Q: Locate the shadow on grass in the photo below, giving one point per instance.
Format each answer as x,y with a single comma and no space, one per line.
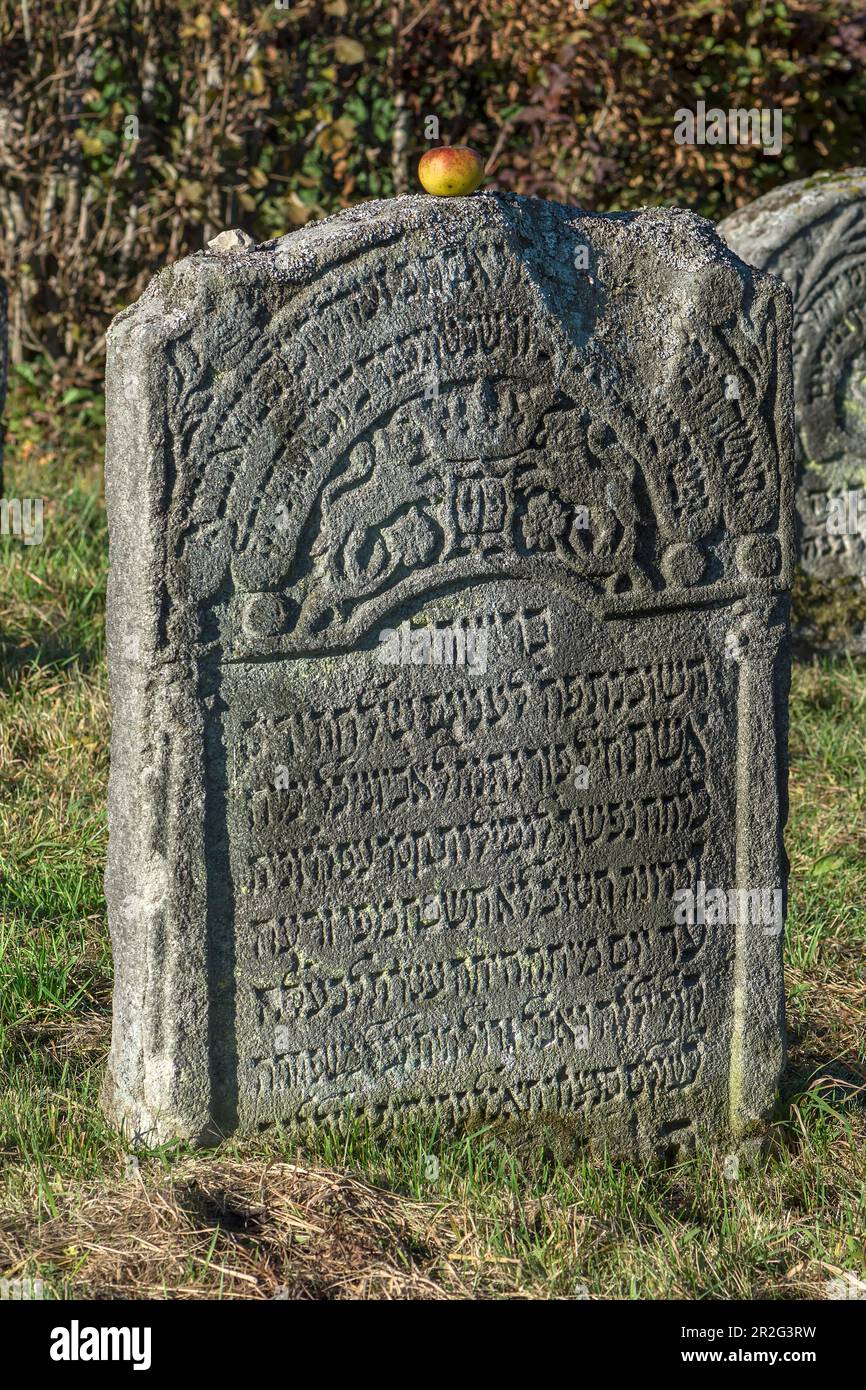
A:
17,660
833,1080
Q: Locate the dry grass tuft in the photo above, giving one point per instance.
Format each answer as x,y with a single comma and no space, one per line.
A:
240,1229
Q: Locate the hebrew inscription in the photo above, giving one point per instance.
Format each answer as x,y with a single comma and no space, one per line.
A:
495,962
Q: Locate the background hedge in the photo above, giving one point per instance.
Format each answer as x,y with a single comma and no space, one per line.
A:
266,115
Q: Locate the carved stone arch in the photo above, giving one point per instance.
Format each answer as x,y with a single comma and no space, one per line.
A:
274,497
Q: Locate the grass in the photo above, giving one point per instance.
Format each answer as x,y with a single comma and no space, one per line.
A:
424,1215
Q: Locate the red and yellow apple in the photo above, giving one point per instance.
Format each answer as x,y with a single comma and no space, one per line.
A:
450,171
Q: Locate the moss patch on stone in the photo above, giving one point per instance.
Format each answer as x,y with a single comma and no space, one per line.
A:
826,614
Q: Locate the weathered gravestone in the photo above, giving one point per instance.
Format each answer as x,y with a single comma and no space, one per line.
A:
813,234
448,645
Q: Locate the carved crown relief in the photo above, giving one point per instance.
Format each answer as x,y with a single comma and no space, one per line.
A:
337,473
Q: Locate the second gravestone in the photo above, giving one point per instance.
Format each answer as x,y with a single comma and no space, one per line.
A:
450,543
813,235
